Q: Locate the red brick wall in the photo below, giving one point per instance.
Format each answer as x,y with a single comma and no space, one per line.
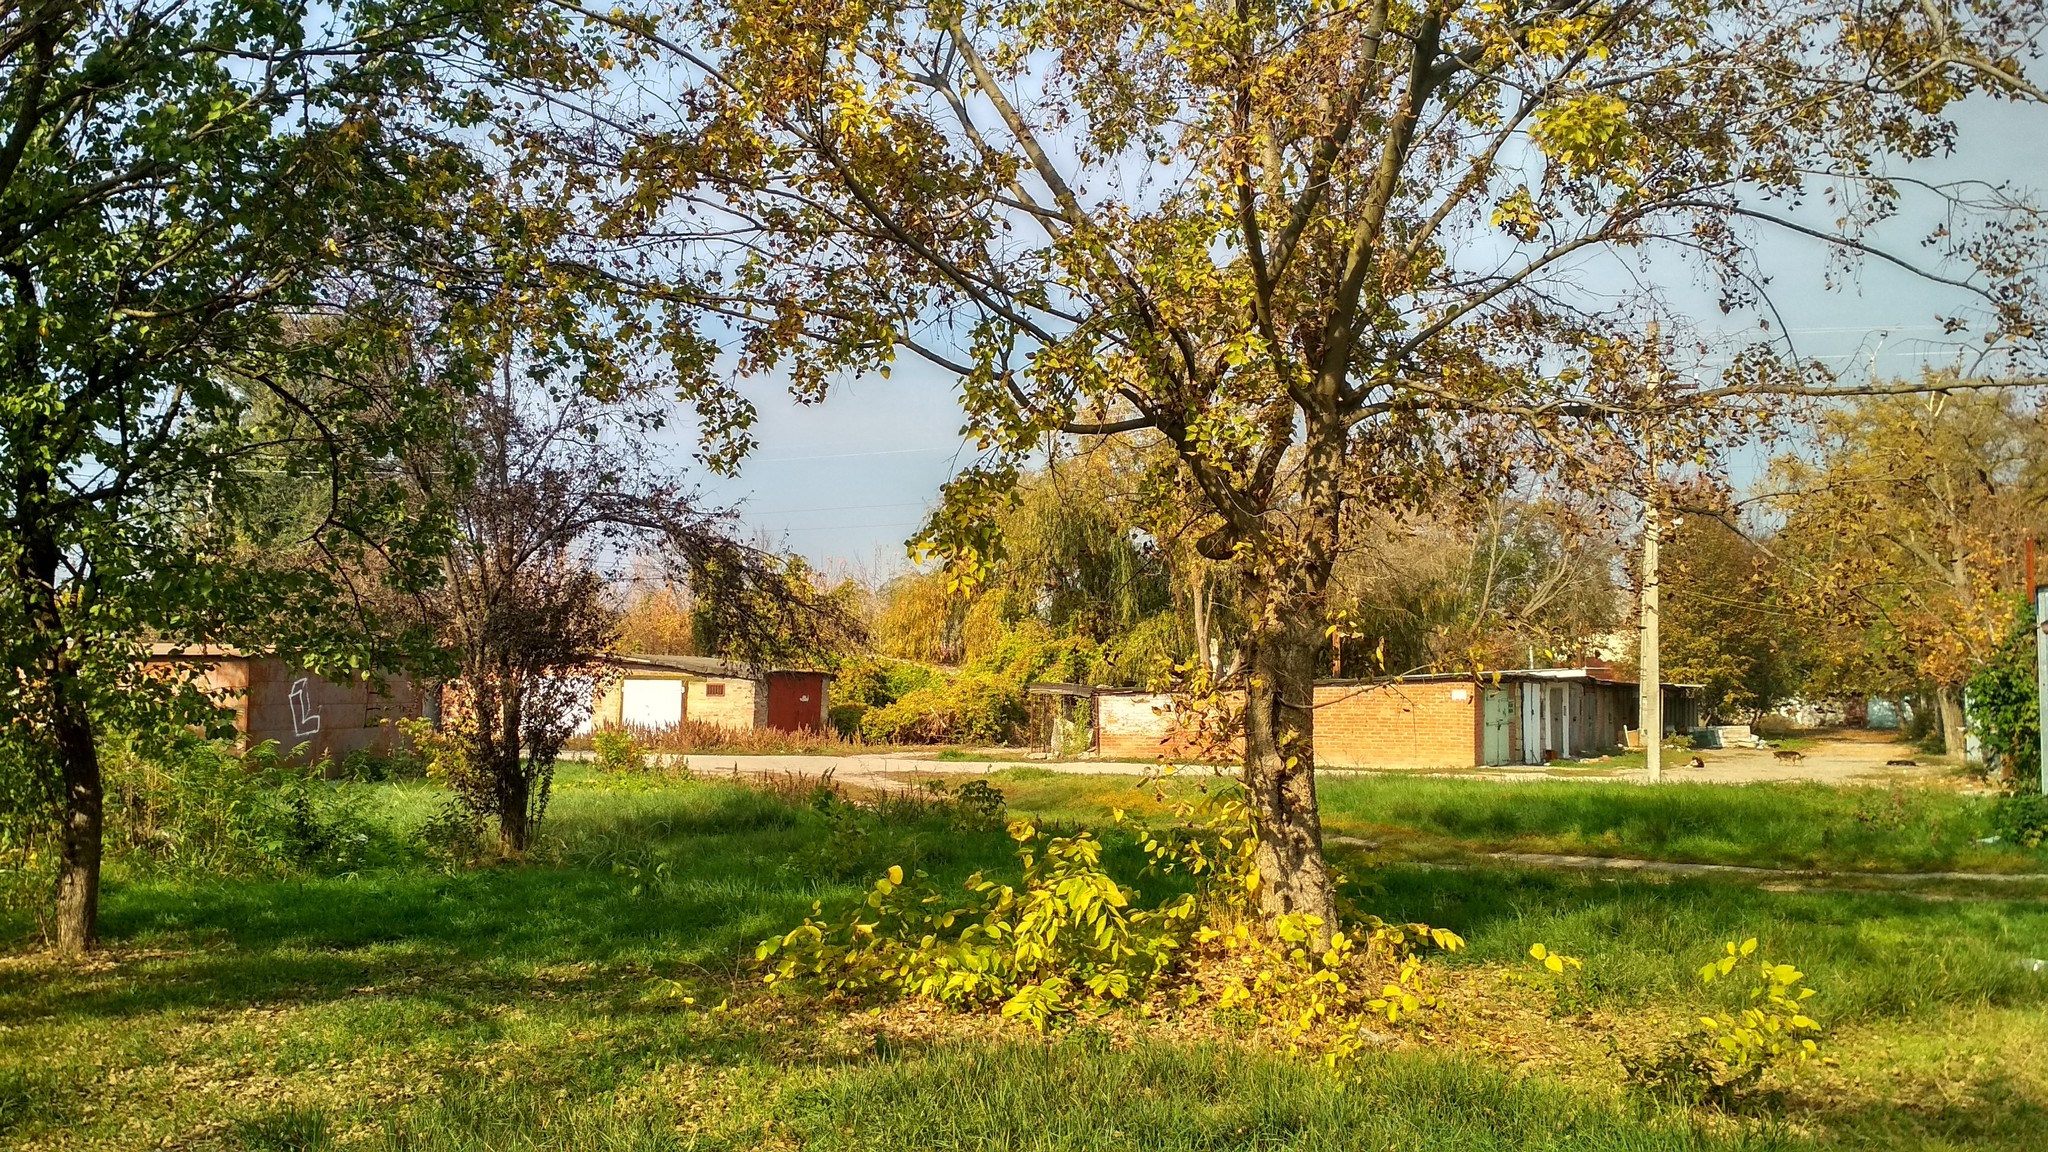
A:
1357,726
1140,726
1424,725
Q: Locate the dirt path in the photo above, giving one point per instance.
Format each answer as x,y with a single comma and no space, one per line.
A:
1837,758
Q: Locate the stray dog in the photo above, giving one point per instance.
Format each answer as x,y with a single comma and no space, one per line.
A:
1695,762
1787,754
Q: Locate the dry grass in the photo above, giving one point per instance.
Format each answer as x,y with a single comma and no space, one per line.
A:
697,737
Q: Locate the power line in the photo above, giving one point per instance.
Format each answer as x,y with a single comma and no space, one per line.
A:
839,508
851,527
853,455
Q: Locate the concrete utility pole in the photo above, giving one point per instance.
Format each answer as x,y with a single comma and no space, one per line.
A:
2040,595
1649,670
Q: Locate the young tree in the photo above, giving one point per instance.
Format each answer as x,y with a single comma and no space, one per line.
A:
1333,253
552,488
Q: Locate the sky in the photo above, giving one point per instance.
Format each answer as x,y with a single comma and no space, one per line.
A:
847,481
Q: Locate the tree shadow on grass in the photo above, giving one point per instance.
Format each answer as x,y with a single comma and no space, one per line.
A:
664,891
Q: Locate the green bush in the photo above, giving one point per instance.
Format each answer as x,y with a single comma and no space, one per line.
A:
971,709
2021,818
2005,705
846,718
617,752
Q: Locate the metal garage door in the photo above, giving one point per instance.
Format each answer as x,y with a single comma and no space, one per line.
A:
1496,717
651,703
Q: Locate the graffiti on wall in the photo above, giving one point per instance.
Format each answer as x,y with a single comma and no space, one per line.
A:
305,717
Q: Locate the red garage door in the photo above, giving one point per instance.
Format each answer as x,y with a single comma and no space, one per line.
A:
796,701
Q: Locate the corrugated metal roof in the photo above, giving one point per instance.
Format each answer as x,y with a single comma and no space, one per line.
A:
705,666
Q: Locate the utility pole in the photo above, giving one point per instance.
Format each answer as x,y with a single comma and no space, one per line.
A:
2040,596
1649,670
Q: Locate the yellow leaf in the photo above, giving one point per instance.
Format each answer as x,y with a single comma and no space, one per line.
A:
895,874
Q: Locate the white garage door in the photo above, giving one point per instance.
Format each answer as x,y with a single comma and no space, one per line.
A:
651,703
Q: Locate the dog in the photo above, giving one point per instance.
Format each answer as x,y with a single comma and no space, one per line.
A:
1695,762
1902,763
1787,754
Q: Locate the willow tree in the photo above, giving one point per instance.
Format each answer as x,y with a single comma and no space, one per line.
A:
1333,253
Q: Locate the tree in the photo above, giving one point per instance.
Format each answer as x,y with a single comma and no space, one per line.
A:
654,614
1726,621
1328,252
1903,526
1472,590
551,486
200,219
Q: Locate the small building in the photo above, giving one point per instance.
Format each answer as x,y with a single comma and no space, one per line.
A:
665,691
274,701
1522,716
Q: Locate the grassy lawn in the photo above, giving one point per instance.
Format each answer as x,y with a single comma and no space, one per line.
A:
1797,826
409,1006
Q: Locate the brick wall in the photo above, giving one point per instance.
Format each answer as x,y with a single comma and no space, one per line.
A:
743,706
1415,725
1428,725
1136,726
273,701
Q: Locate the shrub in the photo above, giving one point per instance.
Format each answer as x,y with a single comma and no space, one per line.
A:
846,718
1731,1052
453,835
617,752
1069,935
2021,818
972,708
1072,936
1561,975
2004,704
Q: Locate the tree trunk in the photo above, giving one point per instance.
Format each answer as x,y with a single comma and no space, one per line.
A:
1280,770
69,716
514,792
1954,738
81,829
80,837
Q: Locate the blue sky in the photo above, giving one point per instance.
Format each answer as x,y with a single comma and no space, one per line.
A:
849,480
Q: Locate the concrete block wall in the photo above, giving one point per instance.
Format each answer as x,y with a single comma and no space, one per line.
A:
273,701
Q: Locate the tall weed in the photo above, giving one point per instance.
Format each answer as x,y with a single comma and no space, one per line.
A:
200,806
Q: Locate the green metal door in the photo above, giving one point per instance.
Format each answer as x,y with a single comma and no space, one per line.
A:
1497,713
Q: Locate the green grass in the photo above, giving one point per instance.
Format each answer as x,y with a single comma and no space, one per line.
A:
1792,826
410,1007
